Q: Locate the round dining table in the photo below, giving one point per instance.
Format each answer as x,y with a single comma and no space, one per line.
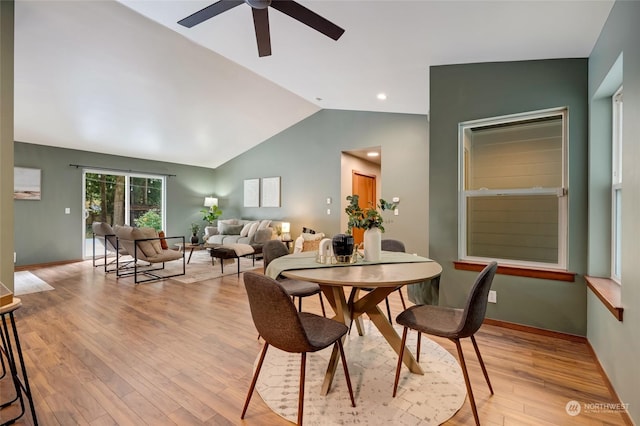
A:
382,278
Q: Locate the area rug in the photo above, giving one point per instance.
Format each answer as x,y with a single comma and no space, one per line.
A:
24,282
428,399
200,268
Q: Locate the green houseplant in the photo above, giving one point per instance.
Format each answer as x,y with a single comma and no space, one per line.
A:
368,217
211,214
195,228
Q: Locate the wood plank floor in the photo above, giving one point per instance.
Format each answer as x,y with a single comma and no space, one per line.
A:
101,351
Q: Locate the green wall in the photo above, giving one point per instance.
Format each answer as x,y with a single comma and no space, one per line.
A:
474,91
617,344
44,233
307,156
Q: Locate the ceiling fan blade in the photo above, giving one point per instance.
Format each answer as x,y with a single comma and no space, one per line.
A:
261,25
209,12
308,17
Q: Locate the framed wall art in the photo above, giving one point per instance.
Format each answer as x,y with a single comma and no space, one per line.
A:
26,183
271,192
252,192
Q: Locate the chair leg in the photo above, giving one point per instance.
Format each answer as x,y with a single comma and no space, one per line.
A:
404,305
467,382
484,370
303,364
324,314
386,300
254,380
418,348
404,341
346,371
299,304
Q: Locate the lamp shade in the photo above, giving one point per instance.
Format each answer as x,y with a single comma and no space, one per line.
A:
210,201
286,227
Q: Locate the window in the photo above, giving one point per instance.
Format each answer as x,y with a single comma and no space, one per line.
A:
513,203
616,186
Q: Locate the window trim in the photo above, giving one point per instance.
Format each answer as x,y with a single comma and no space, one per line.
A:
616,180
562,192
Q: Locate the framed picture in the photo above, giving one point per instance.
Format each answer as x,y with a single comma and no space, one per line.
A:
271,192
26,183
252,192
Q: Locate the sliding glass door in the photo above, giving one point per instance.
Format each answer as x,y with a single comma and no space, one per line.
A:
120,198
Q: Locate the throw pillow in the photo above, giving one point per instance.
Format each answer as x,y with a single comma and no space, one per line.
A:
163,242
312,237
310,245
227,229
245,229
306,230
147,247
253,230
264,224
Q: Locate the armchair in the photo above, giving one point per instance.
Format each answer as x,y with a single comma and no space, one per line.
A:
145,245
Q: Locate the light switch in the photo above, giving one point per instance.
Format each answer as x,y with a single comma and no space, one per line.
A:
395,199
67,210
395,212
328,200
328,211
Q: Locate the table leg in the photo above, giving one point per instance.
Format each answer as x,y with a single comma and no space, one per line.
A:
335,296
190,253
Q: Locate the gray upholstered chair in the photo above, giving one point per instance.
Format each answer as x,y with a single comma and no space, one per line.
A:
277,321
452,323
273,249
387,245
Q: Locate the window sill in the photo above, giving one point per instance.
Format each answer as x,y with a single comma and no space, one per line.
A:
519,271
609,292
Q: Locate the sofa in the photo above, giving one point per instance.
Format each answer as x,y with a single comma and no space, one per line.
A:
239,231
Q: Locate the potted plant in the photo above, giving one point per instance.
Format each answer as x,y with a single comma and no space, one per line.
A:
370,219
195,228
211,214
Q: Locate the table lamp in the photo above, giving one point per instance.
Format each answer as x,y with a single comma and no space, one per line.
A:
286,228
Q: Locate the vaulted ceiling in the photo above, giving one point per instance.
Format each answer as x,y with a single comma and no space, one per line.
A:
124,78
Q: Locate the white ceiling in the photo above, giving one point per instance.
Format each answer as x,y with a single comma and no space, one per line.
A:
124,78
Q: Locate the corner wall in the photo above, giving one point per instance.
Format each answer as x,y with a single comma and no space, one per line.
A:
617,344
474,91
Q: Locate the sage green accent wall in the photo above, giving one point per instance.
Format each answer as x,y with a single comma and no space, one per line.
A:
474,91
617,344
6,143
44,233
307,156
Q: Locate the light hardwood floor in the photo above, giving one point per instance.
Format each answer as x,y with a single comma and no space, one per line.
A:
102,351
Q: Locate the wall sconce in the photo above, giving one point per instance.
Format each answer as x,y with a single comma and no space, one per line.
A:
286,228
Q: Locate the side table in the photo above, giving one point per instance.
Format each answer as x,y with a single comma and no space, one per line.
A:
191,247
21,385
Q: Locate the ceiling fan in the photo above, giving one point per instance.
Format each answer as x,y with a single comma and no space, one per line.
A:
261,18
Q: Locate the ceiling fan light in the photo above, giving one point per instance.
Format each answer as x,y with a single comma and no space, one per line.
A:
258,4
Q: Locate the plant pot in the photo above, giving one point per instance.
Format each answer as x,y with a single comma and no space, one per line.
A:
195,239
372,244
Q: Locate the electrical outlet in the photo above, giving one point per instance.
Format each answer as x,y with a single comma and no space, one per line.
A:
493,296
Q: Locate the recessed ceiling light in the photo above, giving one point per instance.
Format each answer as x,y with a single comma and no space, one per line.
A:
382,96
373,154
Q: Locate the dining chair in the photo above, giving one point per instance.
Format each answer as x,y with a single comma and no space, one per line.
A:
452,323
280,325
273,249
387,245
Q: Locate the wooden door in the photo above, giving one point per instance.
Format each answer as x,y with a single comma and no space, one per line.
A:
364,186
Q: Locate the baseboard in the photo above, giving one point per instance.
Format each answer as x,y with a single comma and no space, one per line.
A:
625,414
570,337
535,330
45,265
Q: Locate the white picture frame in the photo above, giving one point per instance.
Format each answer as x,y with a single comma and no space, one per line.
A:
26,183
271,192
252,192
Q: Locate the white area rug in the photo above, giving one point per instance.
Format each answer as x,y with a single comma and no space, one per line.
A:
428,399
24,282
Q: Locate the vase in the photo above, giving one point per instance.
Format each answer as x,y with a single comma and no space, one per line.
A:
194,239
342,247
372,244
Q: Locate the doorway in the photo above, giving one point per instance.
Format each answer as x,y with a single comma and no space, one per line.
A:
119,198
363,185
